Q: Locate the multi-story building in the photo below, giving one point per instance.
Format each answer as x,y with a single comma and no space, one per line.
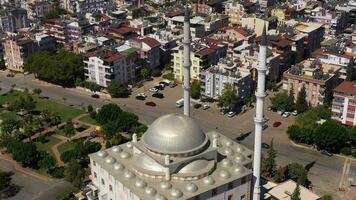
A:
56,28
83,6
45,42
319,80
103,66
16,51
227,71
238,33
201,57
38,8
149,51
13,19
164,164
76,30
197,26
314,34
344,103
257,23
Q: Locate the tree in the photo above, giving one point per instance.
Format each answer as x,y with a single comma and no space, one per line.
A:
195,89
269,162
2,64
108,112
307,119
74,173
144,73
90,108
352,134
282,101
117,89
281,175
25,153
156,72
69,129
228,98
297,173
322,111
296,193
302,104
331,136
326,197
37,91
9,125
47,163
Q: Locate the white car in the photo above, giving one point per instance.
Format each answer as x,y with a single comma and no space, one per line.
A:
153,90
285,114
205,107
295,113
142,94
231,114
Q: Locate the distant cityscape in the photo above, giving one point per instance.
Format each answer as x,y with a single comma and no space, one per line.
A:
162,99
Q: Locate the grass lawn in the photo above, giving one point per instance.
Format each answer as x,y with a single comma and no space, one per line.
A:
47,146
66,112
88,119
66,147
8,115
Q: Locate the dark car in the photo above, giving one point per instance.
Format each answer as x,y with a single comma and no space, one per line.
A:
139,97
158,95
96,96
159,87
150,103
276,124
10,75
164,83
139,85
172,85
197,105
325,152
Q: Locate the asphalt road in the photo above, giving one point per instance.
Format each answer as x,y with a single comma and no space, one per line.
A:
324,173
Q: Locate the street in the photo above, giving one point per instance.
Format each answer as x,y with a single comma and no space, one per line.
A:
325,172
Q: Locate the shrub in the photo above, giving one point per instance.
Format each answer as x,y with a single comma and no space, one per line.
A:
156,73
57,172
169,76
346,151
69,155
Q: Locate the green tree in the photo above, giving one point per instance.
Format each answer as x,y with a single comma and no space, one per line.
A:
301,104
69,129
269,165
144,73
108,112
9,125
37,91
195,90
297,173
322,111
331,135
47,163
326,197
352,134
282,101
280,175
74,173
228,99
117,89
2,64
90,108
296,193
307,119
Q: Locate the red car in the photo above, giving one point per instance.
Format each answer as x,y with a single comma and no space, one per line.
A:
276,124
150,103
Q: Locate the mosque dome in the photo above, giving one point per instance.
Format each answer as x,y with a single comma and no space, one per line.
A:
174,134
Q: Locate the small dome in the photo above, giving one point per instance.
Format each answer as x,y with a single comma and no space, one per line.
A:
226,162
174,134
194,166
224,174
150,191
228,151
116,149
239,158
240,148
165,185
140,183
102,154
118,166
176,193
125,155
191,187
239,170
145,162
129,145
110,160
129,175
160,197
209,180
228,143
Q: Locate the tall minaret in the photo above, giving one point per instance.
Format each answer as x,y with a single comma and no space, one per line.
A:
260,96
186,63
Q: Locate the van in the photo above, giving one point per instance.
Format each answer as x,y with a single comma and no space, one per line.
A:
180,103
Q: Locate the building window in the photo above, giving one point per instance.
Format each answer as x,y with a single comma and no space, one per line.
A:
110,188
94,163
102,181
95,175
214,192
243,197
230,185
243,180
230,197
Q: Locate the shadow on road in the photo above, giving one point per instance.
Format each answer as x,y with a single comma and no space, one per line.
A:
243,136
309,165
10,189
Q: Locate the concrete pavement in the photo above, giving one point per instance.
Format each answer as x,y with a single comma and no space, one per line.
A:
324,173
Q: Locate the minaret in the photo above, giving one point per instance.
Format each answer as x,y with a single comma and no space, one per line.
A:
186,63
260,96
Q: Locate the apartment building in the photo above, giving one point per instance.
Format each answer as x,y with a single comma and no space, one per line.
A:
16,50
319,80
227,71
314,34
56,28
38,8
149,51
103,66
83,6
344,103
13,19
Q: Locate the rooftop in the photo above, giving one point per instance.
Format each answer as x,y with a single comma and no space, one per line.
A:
347,87
284,190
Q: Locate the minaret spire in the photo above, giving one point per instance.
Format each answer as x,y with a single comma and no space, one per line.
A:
259,119
186,63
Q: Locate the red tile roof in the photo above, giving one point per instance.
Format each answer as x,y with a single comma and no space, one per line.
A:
107,56
240,30
123,30
347,87
205,51
151,42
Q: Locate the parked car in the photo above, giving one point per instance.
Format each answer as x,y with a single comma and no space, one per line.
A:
264,126
96,96
325,152
158,95
150,103
153,89
231,114
277,124
269,108
205,107
285,114
142,94
142,98
295,113
172,85
139,85
280,112
197,105
164,83
10,75
223,111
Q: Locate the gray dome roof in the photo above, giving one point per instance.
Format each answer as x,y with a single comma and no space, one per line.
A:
174,134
